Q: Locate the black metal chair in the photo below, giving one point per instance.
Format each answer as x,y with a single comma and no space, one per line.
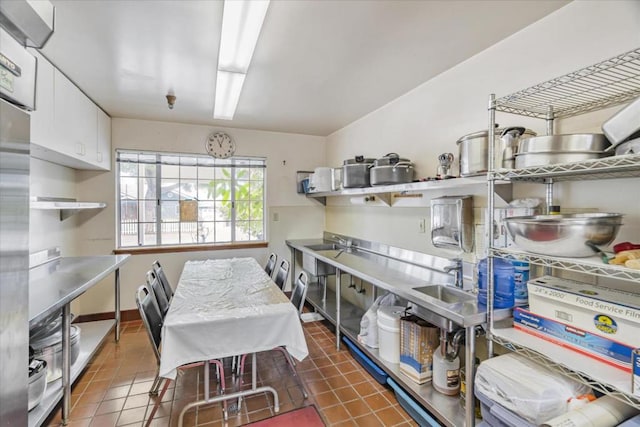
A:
298,296
153,321
271,264
281,274
168,290
158,292
299,292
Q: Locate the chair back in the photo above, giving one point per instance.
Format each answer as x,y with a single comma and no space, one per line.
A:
158,292
282,273
168,290
151,317
299,292
271,264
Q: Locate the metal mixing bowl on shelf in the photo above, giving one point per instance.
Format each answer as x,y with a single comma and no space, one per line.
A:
564,235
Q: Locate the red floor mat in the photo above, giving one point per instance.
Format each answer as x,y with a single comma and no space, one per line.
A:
303,417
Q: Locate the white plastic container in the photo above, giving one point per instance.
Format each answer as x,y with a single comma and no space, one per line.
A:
389,332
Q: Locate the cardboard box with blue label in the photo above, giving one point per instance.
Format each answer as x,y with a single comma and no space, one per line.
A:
605,312
595,346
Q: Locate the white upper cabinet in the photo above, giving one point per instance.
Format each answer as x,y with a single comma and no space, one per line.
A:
67,127
42,116
103,152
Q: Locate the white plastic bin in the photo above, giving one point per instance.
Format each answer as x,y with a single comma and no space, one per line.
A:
389,332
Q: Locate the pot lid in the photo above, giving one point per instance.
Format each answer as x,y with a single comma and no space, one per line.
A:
54,338
358,160
485,134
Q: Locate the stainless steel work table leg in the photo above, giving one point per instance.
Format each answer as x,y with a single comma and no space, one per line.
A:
338,294
117,304
66,363
469,374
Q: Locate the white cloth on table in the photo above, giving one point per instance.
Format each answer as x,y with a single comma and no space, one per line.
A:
225,308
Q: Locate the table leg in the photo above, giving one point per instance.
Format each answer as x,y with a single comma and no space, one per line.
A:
338,294
66,363
469,371
117,304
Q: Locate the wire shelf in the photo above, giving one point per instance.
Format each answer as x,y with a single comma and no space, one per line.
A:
538,357
592,265
605,84
626,166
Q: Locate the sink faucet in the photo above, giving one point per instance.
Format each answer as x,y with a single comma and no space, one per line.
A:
457,272
345,242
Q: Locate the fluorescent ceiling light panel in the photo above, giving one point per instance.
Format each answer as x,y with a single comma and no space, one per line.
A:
241,24
228,88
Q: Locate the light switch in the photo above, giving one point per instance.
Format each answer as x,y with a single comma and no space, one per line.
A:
276,217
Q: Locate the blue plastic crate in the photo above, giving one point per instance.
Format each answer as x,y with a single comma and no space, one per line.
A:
496,415
373,369
413,408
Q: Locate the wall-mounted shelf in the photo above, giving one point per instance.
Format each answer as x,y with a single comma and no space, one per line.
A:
67,207
387,193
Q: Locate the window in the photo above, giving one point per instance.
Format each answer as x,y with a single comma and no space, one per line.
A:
185,199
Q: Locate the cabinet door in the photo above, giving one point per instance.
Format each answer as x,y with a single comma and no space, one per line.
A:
103,153
76,121
42,129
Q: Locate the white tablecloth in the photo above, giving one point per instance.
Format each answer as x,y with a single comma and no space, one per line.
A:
224,308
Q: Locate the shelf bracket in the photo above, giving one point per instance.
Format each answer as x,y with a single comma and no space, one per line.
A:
504,190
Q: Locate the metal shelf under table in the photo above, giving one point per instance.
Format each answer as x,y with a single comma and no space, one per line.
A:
92,335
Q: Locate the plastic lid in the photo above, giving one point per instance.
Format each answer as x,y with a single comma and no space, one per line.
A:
390,315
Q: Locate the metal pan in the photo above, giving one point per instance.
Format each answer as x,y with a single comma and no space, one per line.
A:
579,143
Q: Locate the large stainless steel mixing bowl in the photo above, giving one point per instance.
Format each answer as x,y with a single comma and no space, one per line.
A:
564,235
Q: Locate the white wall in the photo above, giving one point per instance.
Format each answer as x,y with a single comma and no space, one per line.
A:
428,120
285,153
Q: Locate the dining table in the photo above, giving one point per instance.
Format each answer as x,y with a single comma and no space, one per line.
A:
223,308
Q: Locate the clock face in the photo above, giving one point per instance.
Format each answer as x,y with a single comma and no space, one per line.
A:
220,145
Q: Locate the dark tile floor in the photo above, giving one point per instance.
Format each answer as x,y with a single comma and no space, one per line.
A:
113,390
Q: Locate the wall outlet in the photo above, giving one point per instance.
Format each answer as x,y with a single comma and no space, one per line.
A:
423,225
276,217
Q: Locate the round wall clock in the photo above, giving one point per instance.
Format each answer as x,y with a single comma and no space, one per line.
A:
220,145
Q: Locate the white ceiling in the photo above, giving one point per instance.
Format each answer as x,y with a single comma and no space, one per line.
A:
318,66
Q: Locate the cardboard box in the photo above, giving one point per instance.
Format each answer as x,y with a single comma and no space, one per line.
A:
601,311
418,341
595,346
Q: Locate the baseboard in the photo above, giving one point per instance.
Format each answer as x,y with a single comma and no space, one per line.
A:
125,316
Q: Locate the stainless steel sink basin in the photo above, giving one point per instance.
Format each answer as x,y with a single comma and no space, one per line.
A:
324,247
446,294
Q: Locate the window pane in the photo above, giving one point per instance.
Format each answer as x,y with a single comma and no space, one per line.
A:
242,230
256,210
205,191
242,211
128,169
169,211
149,236
256,190
148,188
223,173
206,232
129,233
170,189
257,174
188,189
223,231
147,169
242,190
223,210
170,233
128,188
242,173
128,211
189,232
206,211
257,230
206,172
222,190
147,211
170,171
188,172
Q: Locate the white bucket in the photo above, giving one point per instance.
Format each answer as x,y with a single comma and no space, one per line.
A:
389,332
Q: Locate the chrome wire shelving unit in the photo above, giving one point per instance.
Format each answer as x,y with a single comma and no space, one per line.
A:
602,85
608,83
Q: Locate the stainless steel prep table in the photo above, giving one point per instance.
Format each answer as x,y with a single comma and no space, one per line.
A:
52,286
382,272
